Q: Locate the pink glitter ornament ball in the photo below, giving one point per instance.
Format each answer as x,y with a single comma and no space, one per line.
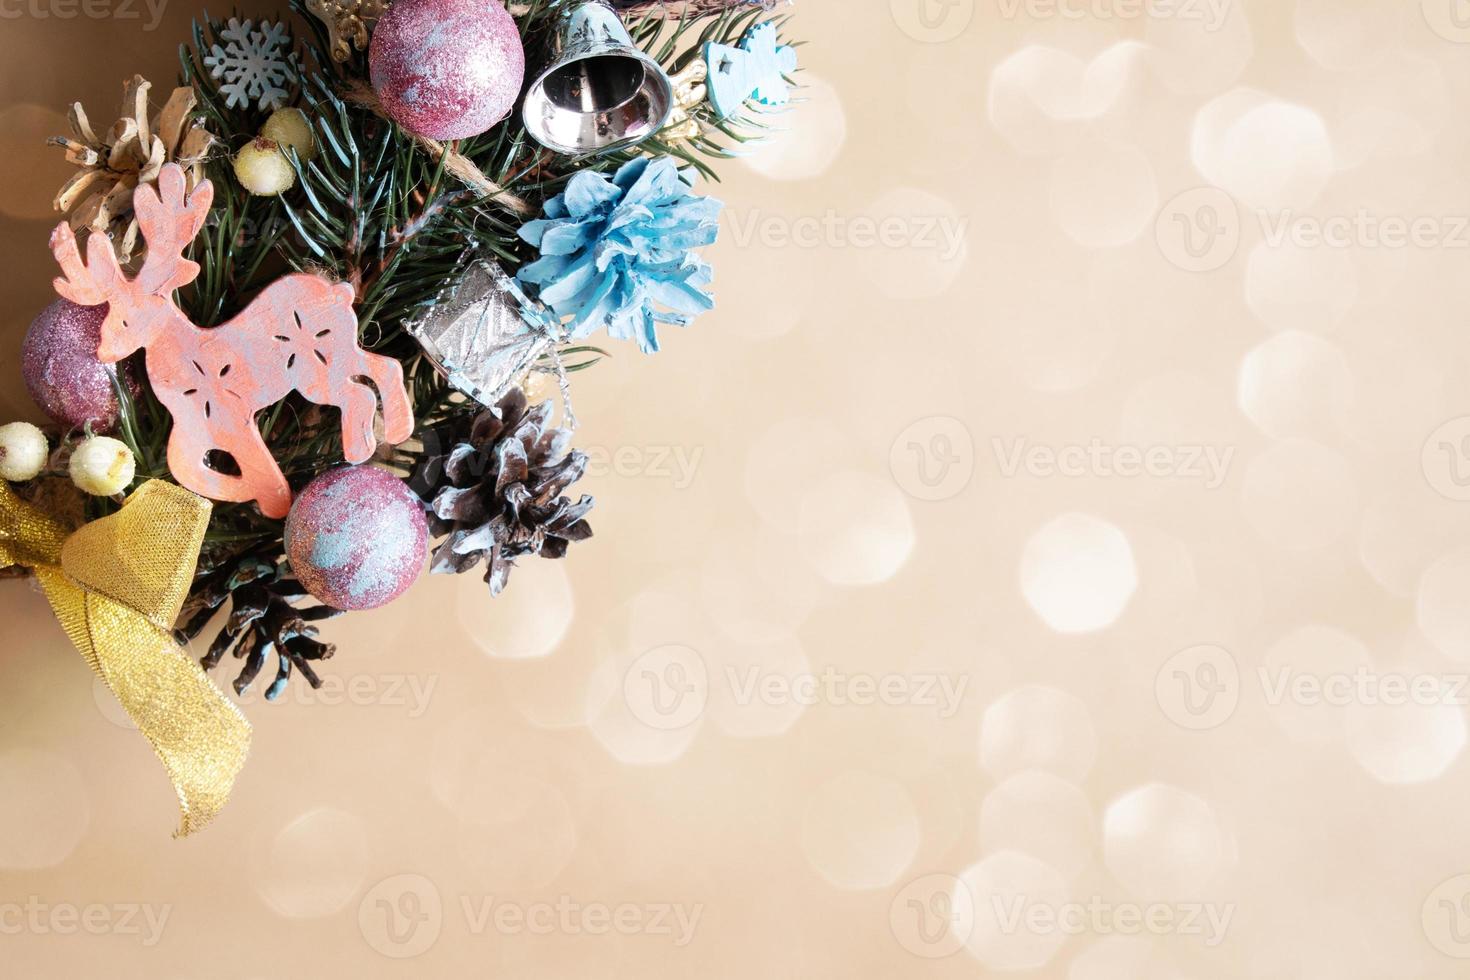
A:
357,537
447,69
58,361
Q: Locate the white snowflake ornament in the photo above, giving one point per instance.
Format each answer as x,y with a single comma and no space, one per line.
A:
254,64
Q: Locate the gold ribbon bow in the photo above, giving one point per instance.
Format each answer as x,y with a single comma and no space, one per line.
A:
117,585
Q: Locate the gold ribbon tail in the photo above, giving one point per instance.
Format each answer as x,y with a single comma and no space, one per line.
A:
117,585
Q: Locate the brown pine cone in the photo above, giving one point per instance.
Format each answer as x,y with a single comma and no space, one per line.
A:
264,622
494,485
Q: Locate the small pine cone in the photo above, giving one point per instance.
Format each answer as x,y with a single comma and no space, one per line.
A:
264,622
497,492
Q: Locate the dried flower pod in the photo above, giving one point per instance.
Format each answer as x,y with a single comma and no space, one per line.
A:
99,197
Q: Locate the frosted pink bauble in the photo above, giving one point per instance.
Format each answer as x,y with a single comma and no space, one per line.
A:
58,360
357,537
447,69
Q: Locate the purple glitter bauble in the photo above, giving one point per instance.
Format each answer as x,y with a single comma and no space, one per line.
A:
58,360
447,69
357,537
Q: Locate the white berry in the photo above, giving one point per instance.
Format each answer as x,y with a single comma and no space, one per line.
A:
263,169
289,127
23,452
102,466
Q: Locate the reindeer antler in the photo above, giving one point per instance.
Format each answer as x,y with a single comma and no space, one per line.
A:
170,219
91,284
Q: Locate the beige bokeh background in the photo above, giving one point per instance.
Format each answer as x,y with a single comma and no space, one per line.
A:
1051,555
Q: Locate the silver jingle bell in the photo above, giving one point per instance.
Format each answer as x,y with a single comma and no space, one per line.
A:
600,91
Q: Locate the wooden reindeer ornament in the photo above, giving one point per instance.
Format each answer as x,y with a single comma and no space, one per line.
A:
300,334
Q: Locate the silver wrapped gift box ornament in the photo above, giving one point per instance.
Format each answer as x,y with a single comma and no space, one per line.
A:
484,333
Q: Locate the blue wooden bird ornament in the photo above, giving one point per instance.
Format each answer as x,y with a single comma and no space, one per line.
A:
757,70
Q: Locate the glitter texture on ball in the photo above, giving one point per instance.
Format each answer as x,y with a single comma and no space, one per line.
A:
447,69
59,363
357,537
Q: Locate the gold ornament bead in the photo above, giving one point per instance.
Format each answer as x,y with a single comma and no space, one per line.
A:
348,22
263,169
23,452
290,127
102,466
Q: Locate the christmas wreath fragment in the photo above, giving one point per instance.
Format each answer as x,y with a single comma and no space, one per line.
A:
302,299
